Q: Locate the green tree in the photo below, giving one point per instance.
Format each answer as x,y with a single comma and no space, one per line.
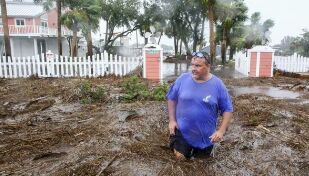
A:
176,28
257,33
185,23
237,39
119,14
230,13
286,46
91,23
153,15
301,44
82,15
290,45
266,26
6,33
71,19
209,5
196,19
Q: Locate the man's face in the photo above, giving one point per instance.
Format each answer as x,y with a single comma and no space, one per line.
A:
199,68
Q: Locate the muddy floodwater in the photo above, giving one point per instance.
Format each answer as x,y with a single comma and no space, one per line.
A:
45,130
269,91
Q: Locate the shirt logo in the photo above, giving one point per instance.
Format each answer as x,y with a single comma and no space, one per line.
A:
206,99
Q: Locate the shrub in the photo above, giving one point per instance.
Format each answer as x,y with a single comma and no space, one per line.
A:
159,92
134,89
90,94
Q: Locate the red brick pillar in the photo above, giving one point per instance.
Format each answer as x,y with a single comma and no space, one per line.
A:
153,61
261,61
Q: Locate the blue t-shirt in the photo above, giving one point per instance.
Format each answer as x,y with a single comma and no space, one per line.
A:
198,107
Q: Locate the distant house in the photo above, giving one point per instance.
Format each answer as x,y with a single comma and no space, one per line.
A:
207,50
32,30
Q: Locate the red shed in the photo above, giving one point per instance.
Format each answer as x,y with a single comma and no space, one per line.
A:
153,61
261,61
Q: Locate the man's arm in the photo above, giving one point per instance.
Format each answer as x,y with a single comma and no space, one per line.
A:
172,125
218,135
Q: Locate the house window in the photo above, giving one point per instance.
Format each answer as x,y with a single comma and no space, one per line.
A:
20,22
44,24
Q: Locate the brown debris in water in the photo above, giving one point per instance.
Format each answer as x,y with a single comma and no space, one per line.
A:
44,130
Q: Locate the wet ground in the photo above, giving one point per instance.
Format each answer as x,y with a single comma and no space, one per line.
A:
44,130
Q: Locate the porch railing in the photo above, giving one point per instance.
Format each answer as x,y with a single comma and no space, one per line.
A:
28,30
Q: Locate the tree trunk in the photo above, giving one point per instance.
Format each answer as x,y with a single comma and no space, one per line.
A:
175,45
89,44
223,46
232,51
160,38
59,38
202,33
106,36
69,39
188,51
212,33
195,34
6,32
180,48
74,44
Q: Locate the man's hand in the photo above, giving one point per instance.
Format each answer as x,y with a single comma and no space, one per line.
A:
172,125
217,136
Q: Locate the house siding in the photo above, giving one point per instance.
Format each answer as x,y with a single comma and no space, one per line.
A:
52,18
29,21
11,21
37,21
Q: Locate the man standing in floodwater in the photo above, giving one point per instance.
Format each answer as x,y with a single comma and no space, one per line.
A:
194,103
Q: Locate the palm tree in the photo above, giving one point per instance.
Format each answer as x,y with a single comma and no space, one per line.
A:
229,13
92,9
7,42
256,32
82,15
210,4
70,20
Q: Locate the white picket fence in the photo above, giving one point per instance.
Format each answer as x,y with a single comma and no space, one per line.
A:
294,63
242,63
54,66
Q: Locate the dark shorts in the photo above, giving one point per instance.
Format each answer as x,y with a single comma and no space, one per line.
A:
178,143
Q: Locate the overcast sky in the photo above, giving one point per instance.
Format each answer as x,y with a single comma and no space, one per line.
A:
290,16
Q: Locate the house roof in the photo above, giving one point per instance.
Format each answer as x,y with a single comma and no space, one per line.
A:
23,9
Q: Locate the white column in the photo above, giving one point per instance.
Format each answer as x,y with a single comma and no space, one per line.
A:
35,46
144,63
248,63
161,66
12,47
258,61
272,64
